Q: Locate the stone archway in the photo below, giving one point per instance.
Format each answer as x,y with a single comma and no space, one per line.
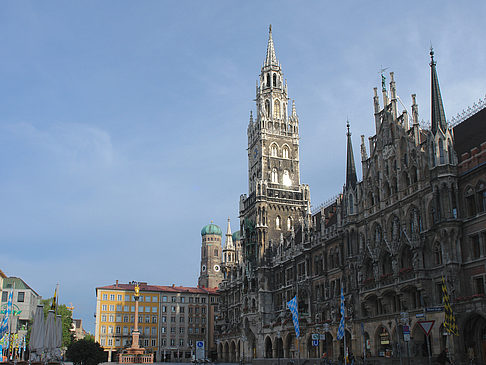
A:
232,352
226,352
279,347
474,334
312,351
418,347
383,342
289,349
268,348
220,351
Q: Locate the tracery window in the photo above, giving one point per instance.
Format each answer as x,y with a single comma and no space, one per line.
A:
286,178
289,223
285,152
276,109
274,150
274,176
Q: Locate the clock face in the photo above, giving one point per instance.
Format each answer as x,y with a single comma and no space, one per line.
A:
216,268
203,268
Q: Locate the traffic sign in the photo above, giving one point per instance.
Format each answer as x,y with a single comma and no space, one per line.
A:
315,336
426,326
315,342
200,344
323,337
419,315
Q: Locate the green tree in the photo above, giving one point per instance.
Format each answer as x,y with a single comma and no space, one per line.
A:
86,352
89,337
66,317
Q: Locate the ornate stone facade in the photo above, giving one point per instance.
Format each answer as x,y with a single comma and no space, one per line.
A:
419,214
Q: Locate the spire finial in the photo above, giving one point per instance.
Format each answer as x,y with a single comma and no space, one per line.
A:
351,178
432,62
271,58
438,120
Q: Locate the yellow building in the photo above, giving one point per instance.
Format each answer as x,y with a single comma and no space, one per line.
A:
171,319
115,316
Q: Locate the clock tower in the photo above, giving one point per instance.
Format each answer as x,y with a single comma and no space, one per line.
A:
277,203
210,274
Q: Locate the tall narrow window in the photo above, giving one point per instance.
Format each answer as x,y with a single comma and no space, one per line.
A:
289,223
275,176
276,109
274,150
441,152
274,80
285,152
278,223
286,178
267,108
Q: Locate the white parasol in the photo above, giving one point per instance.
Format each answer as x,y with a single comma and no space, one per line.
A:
36,343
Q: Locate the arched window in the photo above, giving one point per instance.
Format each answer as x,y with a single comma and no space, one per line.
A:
278,222
285,152
437,254
276,109
378,235
267,108
289,223
351,203
274,176
470,202
268,80
481,194
286,178
274,150
441,152
274,80
216,252
415,222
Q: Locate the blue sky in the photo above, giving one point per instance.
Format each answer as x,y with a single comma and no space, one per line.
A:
123,123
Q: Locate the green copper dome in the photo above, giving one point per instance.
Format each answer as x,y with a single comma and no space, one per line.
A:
236,236
211,229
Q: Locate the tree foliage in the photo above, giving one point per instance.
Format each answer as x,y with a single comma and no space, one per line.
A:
66,317
86,352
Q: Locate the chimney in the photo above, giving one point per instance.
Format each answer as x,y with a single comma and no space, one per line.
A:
116,284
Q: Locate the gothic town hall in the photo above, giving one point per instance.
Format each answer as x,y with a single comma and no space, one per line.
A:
396,241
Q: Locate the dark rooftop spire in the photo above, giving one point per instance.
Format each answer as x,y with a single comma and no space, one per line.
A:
350,166
438,116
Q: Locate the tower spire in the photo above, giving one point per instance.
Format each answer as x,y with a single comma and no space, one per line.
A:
271,59
438,115
228,245
351,178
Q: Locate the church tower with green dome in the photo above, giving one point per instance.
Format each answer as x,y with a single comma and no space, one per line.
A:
210,274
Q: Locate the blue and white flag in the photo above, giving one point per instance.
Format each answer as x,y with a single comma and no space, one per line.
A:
292,305
4,323
340,333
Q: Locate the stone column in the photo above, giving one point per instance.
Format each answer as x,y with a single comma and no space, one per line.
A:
136,333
